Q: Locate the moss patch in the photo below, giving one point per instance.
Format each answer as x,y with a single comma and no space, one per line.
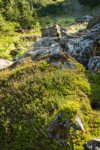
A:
30,98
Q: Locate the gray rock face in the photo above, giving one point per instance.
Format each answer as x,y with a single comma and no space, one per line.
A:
94,144
5,63
94,64
53,31
95,20
53,54
83,47
47,42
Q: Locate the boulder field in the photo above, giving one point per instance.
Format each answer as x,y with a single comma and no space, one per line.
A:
83,45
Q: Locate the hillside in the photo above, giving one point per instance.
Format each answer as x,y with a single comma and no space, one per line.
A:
49,75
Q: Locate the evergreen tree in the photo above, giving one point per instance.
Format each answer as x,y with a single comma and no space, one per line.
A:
21,11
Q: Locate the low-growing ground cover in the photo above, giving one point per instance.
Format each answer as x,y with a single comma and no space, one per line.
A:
31,97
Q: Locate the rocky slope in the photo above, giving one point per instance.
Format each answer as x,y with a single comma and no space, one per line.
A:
46,95
56,43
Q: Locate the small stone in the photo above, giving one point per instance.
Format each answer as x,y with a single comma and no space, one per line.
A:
93,144
5,63
14,52
94,64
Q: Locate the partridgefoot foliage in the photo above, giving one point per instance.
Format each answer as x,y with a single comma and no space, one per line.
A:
46,108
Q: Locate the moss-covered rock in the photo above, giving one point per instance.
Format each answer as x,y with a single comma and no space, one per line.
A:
31,98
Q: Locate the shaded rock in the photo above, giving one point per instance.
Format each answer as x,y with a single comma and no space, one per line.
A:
83,47
58,127
14,52
5,63
53,31
94,144
95,20
94,32
86,18
96,48
53,54
94,64
47,42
